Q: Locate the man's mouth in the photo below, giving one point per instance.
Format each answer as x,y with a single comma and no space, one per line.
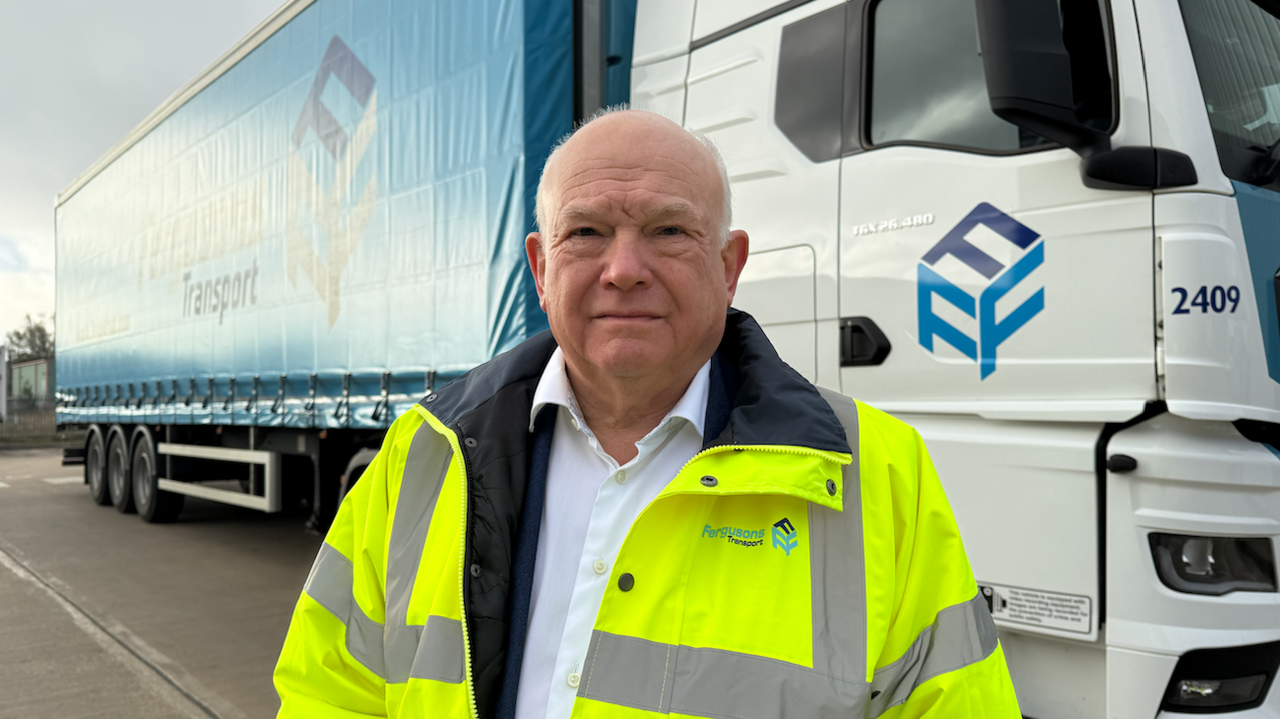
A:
627,316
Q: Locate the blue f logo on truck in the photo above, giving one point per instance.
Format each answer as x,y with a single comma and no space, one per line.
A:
1002,279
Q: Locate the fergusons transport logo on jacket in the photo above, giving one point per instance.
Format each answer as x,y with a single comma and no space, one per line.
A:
785,536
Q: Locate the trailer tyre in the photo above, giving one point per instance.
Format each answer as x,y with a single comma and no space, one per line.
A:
355,468
153,505
95,469
118,473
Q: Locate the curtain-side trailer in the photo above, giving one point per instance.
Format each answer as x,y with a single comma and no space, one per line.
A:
322,227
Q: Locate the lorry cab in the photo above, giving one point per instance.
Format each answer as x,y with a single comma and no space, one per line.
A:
1047,236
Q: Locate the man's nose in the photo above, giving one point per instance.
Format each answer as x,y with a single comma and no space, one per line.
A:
625,262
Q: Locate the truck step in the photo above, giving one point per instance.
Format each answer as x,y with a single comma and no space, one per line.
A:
72,456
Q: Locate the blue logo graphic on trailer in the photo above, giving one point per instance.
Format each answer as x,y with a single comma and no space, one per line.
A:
1002,279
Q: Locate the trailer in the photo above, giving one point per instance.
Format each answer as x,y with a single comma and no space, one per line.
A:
1045,233
323,226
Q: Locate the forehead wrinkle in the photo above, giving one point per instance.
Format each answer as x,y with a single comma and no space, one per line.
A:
609,187
585,212
643,209
640,163
611,175
682,171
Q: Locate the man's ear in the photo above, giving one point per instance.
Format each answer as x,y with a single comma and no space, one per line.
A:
537,265
734,256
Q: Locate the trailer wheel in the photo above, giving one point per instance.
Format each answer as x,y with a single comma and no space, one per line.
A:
118,473
153,505
355,468
95,468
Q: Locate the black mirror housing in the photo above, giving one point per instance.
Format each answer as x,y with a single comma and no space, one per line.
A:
1028,71
1129,168
1030,84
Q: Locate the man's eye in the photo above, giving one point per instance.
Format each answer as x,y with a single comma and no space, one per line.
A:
585,231
669,231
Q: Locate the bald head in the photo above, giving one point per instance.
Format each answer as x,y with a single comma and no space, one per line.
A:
633,264
641,140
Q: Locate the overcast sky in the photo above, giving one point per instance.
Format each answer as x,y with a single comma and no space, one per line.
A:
75,78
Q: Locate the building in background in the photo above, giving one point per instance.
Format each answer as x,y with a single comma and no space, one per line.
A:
27,399
30,384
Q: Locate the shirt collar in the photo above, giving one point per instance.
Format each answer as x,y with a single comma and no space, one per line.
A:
554,388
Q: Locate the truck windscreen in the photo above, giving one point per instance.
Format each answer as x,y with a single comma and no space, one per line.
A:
1236,46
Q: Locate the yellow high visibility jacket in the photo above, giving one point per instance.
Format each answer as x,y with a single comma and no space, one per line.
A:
806,563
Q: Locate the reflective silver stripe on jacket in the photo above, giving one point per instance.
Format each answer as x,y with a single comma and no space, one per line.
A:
710,682
399,650
410,648
839,581
330,584
962,634
667,678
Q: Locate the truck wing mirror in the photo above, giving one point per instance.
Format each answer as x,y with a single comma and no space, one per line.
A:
1029,82
1028,72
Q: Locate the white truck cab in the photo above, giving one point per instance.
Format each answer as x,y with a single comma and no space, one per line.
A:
1047,235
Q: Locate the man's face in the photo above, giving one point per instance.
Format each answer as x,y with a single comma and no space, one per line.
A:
630,270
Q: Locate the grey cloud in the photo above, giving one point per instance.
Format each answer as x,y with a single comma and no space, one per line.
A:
75,77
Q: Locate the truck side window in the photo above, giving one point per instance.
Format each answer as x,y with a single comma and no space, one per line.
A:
810,84
927,81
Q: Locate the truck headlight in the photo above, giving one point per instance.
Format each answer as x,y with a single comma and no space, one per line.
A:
1217,692
1214,565
1224,679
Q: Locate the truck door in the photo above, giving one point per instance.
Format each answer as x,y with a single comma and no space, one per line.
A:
975,245
1016,300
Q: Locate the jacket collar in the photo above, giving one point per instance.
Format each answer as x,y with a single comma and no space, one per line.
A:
755,398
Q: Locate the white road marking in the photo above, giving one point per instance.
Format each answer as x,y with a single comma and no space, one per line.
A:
3,485
64,480
18,476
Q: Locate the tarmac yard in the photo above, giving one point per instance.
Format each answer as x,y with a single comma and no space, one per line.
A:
104,615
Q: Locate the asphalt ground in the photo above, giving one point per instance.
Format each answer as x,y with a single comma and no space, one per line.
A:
104,615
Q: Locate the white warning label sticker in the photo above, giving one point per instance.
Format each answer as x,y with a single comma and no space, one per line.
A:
1039,608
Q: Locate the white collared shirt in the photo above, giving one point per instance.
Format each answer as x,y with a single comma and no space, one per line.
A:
590,505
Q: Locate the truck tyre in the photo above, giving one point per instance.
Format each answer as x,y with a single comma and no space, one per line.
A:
118,472
355,468
95,468
154,505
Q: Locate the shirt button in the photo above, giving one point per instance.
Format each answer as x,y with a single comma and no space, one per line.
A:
574,422
573,680
600,567
621,477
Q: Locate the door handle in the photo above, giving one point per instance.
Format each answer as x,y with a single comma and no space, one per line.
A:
862,343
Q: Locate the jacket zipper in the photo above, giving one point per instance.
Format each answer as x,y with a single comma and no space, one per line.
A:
778,449
462,579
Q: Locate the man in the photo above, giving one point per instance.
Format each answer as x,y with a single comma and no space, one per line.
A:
645,511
